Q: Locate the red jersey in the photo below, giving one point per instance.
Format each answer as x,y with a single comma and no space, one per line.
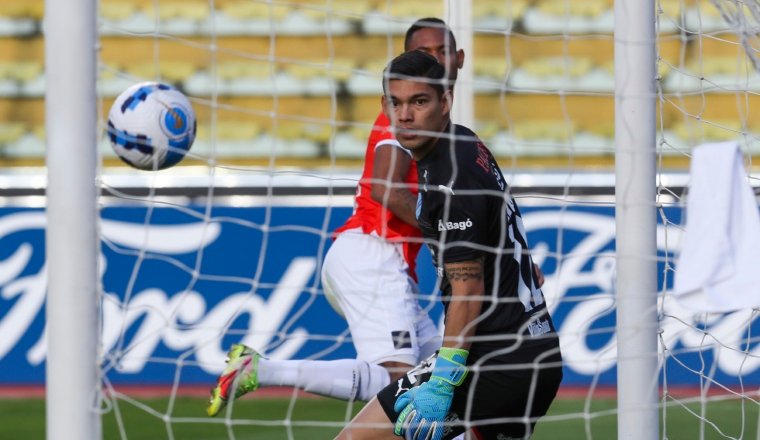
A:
370,215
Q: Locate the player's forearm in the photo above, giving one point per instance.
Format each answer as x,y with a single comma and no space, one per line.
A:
403,204
460,327
390,188
465,304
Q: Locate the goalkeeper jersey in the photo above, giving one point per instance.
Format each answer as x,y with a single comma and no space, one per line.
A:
370,215
466,212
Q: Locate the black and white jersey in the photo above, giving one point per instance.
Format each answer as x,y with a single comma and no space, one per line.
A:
466,212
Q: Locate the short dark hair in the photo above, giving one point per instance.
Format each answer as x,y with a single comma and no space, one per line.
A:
429,23
417,65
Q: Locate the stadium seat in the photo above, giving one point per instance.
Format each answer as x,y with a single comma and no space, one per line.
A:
707,131
169,71
244,69
561,73
117,10
704,17
413,9
231,130
18,27
491,67
347,145
340,69
511,10
498,15
31,9
573,17
320,133
556,130
34,88
11,131
246,9
714,73
23,70
267,145
506,144
344,9
167,10
393,18
111,83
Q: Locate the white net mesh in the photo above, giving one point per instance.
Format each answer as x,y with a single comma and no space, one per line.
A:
227,246
286,84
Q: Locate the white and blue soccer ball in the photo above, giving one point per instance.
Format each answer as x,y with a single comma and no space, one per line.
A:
151,126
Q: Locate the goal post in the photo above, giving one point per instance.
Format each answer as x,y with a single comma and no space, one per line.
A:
459,17
72,376
636,219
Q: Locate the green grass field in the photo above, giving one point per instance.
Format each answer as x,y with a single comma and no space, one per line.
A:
317,418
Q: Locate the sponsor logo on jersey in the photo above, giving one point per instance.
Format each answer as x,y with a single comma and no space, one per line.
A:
449,226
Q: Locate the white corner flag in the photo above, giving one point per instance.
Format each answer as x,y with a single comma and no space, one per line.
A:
718,270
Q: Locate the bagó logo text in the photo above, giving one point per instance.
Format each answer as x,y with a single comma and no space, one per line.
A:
448,226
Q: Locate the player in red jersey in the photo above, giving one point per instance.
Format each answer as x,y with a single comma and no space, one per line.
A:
368,274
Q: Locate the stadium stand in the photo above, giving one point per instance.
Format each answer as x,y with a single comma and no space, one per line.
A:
551,59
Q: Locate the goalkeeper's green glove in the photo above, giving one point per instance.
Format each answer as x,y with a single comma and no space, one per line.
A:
424,408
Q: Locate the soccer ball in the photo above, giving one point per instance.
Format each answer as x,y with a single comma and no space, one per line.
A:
151,126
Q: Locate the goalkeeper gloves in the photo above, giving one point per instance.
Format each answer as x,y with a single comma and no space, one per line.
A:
424,408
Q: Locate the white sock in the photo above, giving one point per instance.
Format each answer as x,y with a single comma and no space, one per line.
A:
343,379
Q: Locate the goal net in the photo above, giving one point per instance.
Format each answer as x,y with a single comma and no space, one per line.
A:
227,246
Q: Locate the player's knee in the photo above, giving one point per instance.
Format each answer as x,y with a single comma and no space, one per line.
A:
396,370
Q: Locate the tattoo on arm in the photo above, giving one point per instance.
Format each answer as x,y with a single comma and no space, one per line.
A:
465,271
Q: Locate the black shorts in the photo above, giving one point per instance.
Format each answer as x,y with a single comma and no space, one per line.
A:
493,398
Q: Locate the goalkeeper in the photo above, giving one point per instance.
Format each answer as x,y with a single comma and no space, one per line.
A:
500,365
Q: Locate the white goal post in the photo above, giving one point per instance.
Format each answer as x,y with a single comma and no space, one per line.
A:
636,219
72,244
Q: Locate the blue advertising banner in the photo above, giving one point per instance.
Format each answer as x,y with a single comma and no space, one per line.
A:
181,283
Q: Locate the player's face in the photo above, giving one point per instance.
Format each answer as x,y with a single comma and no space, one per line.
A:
417,114
437,43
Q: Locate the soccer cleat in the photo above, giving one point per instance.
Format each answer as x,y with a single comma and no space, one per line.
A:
240,375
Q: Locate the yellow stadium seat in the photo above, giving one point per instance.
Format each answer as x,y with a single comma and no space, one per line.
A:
11,131
244,69
342,8
289,130
23,70
492,67
718,130
556,130
117,10
416,8
22,9
546,66
237,130
246,9
173,71
317,132
586,8
721,65
670,8
499,8
340,69
175,9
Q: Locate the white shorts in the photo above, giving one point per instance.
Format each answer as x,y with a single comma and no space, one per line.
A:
365,278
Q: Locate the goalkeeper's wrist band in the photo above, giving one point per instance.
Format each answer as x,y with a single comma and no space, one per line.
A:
450,365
